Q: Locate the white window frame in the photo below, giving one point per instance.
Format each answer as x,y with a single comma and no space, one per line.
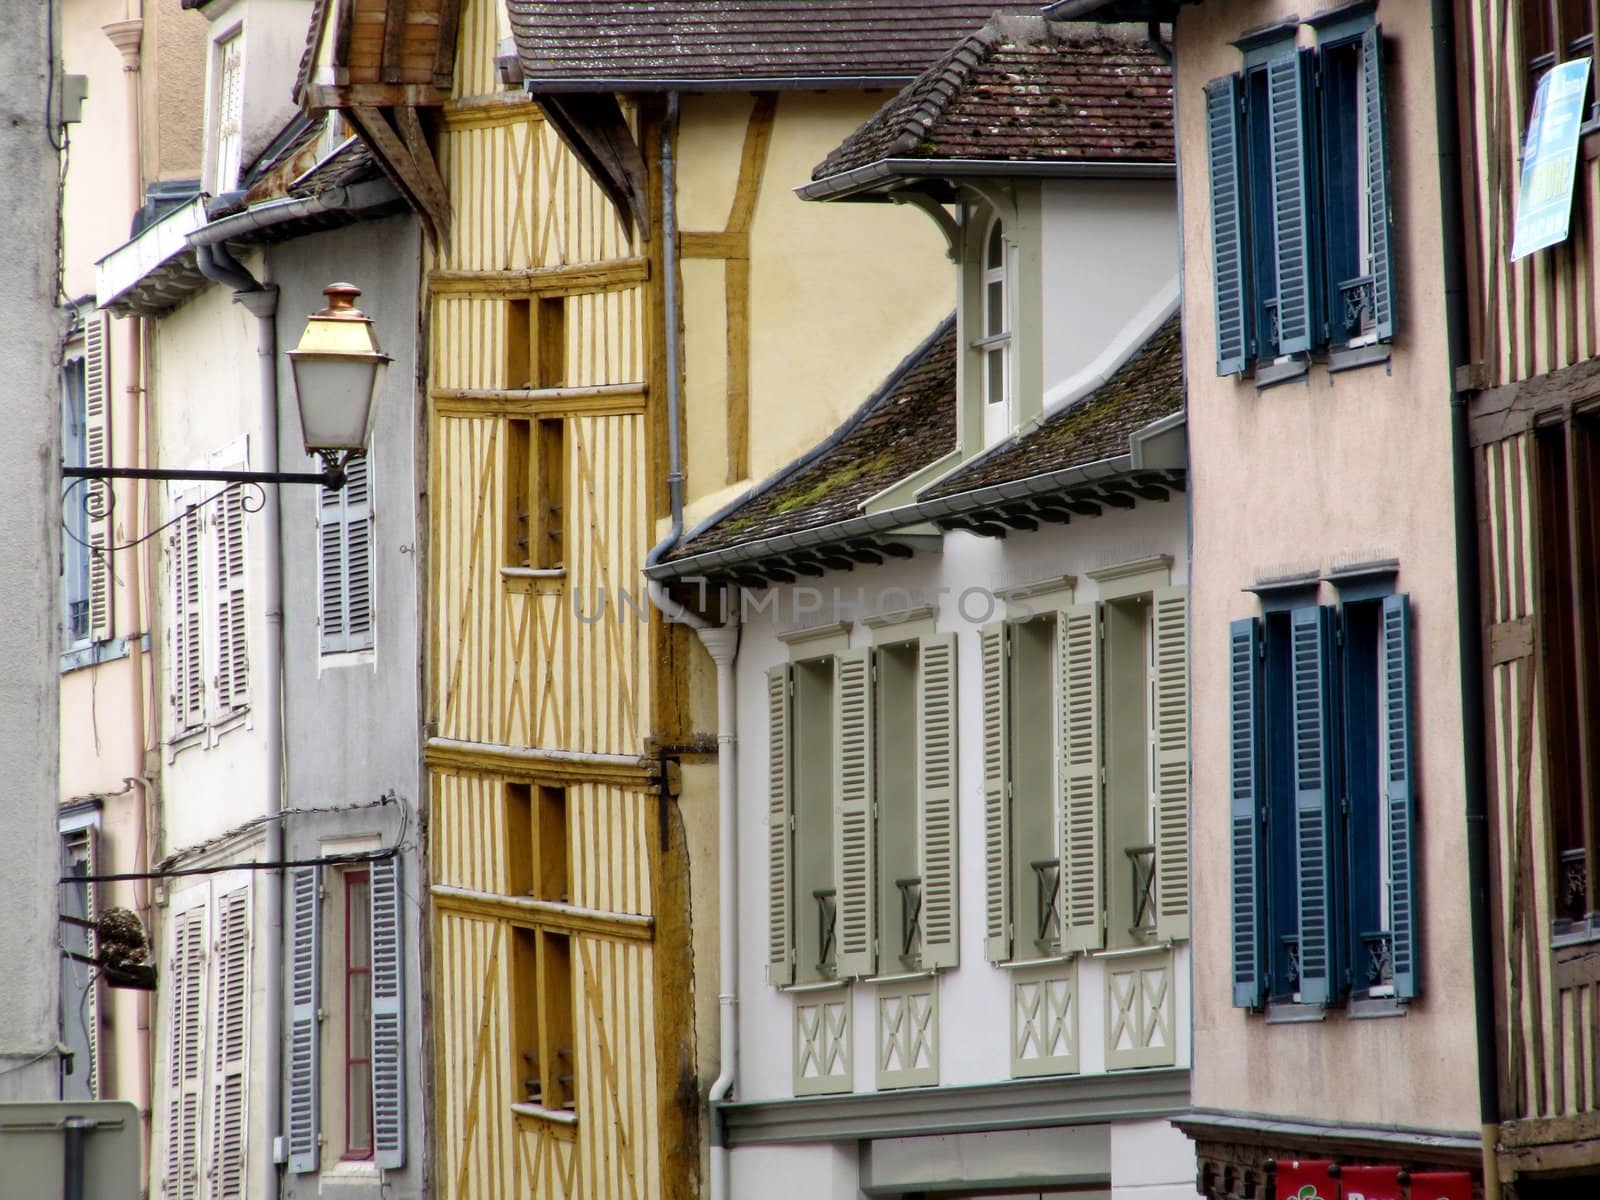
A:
995,342
226,139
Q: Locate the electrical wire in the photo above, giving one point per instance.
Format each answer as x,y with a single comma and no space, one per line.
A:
325,860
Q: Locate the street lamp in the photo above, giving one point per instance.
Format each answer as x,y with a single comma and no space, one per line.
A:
335,369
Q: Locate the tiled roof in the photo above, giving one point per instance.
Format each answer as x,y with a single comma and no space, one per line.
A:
646,45
1024,89
1147,387
909,423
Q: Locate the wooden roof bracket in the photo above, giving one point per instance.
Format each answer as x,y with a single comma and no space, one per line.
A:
594,128
402,150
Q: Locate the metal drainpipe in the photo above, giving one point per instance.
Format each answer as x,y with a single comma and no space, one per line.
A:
262,301
1468,616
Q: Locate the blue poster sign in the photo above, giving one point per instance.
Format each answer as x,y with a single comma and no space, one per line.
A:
1550,159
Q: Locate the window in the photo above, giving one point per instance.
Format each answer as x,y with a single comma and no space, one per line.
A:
78,1012
995,341
228,71
1567,467
541,971
1301,227
345,1060
536,493
1086,775
1322,812
1556,31
344,561
75,539
209,631
86,442
816,893
536,343
536,838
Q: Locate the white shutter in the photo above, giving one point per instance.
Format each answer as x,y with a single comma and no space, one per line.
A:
97,454
1169,758
187,633
233,654
230,1082
388,1016
936,803
780,935
186,993
996,640
305,945
855,855
1078,765
345,545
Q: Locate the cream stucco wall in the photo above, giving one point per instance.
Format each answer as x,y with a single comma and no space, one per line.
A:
173,89
1298,476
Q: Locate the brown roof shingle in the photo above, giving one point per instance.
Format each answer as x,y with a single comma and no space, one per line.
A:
1023,89
645,45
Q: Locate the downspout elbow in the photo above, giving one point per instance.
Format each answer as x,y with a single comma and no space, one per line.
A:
217,265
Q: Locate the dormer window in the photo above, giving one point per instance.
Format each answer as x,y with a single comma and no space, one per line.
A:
229,120
996,340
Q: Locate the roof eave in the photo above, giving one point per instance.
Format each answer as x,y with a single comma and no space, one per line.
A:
1113,10
888,174
536,84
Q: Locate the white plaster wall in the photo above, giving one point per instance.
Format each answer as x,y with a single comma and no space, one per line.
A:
1151,1160
974,999
819,1171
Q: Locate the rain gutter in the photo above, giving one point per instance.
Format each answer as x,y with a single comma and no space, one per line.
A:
896,170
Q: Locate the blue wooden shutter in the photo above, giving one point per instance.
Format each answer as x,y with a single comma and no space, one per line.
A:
1224,131
1380,223
388,1016
1399,793
302,1101
1245,801
1314,792
1293,235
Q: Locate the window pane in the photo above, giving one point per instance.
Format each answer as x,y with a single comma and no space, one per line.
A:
358,1110
1577,20
994,256
995,366
358,922
360,1016
994,308
1538,38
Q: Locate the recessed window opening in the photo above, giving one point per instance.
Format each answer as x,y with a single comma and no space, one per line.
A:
995,342
357,1015
1036,867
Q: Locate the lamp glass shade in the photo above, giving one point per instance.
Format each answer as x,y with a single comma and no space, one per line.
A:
336,374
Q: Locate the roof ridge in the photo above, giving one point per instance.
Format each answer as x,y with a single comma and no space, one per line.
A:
944,82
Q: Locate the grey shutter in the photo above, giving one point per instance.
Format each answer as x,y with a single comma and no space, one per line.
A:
388,1016
330,569
1291,213
1311,641
1228,235
1399,793
854,845
937,801
1244,810
780,826
1170,758
996,639
97,454
344,538
302,1101
233,655
188,625
1078,763
230,1083
1380,220
186,1053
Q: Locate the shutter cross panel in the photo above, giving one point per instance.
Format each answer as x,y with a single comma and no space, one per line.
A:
937,802
854,850
188,625
1378,216
996,786
233,655
1169,720
1244,809
1399,795
186,1052
97,455
1291,213
1228,238
388,1017
230,1084
1314,790
780,934
302,1101
1079,758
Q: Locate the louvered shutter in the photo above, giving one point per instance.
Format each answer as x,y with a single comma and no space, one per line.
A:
1398,773
304,1057
937,801
188,626
1078,764
1292,228
330,569
1245,796
230,1081
1311,633
233,653
388,1017
1228,235
1169,719
345,542
854,834
1379,217
97,454
995,640
780,826
186,1051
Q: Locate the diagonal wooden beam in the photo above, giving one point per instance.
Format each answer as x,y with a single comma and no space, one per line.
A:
403,172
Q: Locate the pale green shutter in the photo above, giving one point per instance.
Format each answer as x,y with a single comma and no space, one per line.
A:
1169,785
186,987
996,640
1079,773
854,851
230,1081
303,1057
97,453
388,1016
936,801
780,935
233,655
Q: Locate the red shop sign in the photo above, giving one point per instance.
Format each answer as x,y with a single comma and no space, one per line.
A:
1303,1180
1370,1183
1441,1185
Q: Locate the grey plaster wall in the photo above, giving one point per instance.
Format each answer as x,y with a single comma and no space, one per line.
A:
351,722
29,546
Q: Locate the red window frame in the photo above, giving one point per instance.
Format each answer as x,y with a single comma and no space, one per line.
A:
357,976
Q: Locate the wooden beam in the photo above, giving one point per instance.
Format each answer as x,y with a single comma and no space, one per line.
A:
547,767
752,161
444,51
1148,491
393,155
1083,507
416,142
372,95
714,245
1116,498
604,400
575,279
544,914
491,112
394,38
